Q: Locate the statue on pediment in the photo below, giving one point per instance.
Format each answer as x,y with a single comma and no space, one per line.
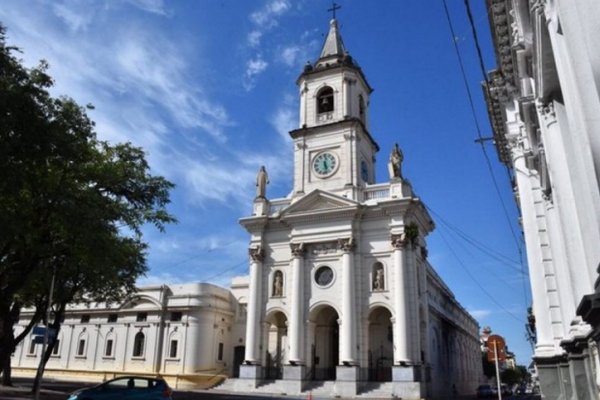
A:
262,179
395,163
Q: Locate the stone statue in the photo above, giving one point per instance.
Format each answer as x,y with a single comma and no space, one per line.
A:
378,282
278,284
395,163
262,179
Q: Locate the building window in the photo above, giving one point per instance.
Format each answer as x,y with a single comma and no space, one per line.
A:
112,317
56,347
325,100
85,318
173,349
138,344
32,347
141,317
176,316
81,347
108,349
220,355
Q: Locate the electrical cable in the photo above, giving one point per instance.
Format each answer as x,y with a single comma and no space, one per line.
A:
489,96
476,122
477,282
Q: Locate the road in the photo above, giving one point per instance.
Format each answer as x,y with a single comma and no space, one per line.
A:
58,390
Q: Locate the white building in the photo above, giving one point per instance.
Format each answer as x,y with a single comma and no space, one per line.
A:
341,292
186,333
544,105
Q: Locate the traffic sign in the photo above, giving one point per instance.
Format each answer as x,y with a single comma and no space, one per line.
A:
496,345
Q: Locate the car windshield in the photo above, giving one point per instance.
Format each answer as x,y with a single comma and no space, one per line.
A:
131,383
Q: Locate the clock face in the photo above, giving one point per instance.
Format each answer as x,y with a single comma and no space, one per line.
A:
324,276
364,171
324,164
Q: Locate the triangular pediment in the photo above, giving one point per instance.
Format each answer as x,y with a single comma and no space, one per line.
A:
319,200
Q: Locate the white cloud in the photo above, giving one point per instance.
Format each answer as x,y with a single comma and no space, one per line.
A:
285,118
76,19
478,314
254,68
266,17
254,38
151,6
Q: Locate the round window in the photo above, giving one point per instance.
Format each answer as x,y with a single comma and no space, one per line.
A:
324,276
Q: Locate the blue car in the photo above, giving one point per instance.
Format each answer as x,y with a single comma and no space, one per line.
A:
126,387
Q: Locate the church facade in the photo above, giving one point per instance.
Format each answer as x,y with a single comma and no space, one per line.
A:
342,298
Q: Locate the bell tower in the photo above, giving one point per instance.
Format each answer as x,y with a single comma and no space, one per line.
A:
333,149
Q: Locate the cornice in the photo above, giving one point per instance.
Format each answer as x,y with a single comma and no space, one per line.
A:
348,122
336,64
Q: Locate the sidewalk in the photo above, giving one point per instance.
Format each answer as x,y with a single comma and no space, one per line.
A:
24,392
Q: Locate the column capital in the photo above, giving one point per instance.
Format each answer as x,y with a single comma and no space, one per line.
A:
546,111
298,250
257,254
347,245
399,241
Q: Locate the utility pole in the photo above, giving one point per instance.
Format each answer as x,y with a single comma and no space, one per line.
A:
46,333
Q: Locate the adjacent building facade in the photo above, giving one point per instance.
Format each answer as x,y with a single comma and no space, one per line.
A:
341,293
544,105
185,333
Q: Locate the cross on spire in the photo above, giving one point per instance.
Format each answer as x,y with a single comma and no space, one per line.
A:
334,7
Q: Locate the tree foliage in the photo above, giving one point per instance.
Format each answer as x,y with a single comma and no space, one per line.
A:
72,207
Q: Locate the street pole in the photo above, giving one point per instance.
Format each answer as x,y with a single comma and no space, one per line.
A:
497,370
45,343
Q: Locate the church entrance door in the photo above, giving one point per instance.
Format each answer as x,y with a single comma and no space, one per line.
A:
276,340
381,345
325,348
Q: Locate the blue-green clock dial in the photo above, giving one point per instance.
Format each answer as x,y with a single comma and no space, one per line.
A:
324,164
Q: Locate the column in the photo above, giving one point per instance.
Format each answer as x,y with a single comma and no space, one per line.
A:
253,316
401,348
541,308
297,304
348,304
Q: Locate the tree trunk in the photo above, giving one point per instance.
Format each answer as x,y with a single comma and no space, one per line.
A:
51,343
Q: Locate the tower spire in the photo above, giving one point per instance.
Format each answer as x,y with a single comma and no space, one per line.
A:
333,46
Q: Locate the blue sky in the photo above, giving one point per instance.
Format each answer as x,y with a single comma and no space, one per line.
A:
207,88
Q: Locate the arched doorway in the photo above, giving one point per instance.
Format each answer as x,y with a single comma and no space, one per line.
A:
381,345
325,344
276,356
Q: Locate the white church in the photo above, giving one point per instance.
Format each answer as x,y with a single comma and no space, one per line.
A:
341,299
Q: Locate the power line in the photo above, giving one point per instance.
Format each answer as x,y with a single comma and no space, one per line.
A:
227,270
489,96
476,281
480,137
203,253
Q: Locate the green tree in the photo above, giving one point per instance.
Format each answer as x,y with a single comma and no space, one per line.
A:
72,207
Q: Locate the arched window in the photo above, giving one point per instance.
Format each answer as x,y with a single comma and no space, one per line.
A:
138,344
109,345
325,100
